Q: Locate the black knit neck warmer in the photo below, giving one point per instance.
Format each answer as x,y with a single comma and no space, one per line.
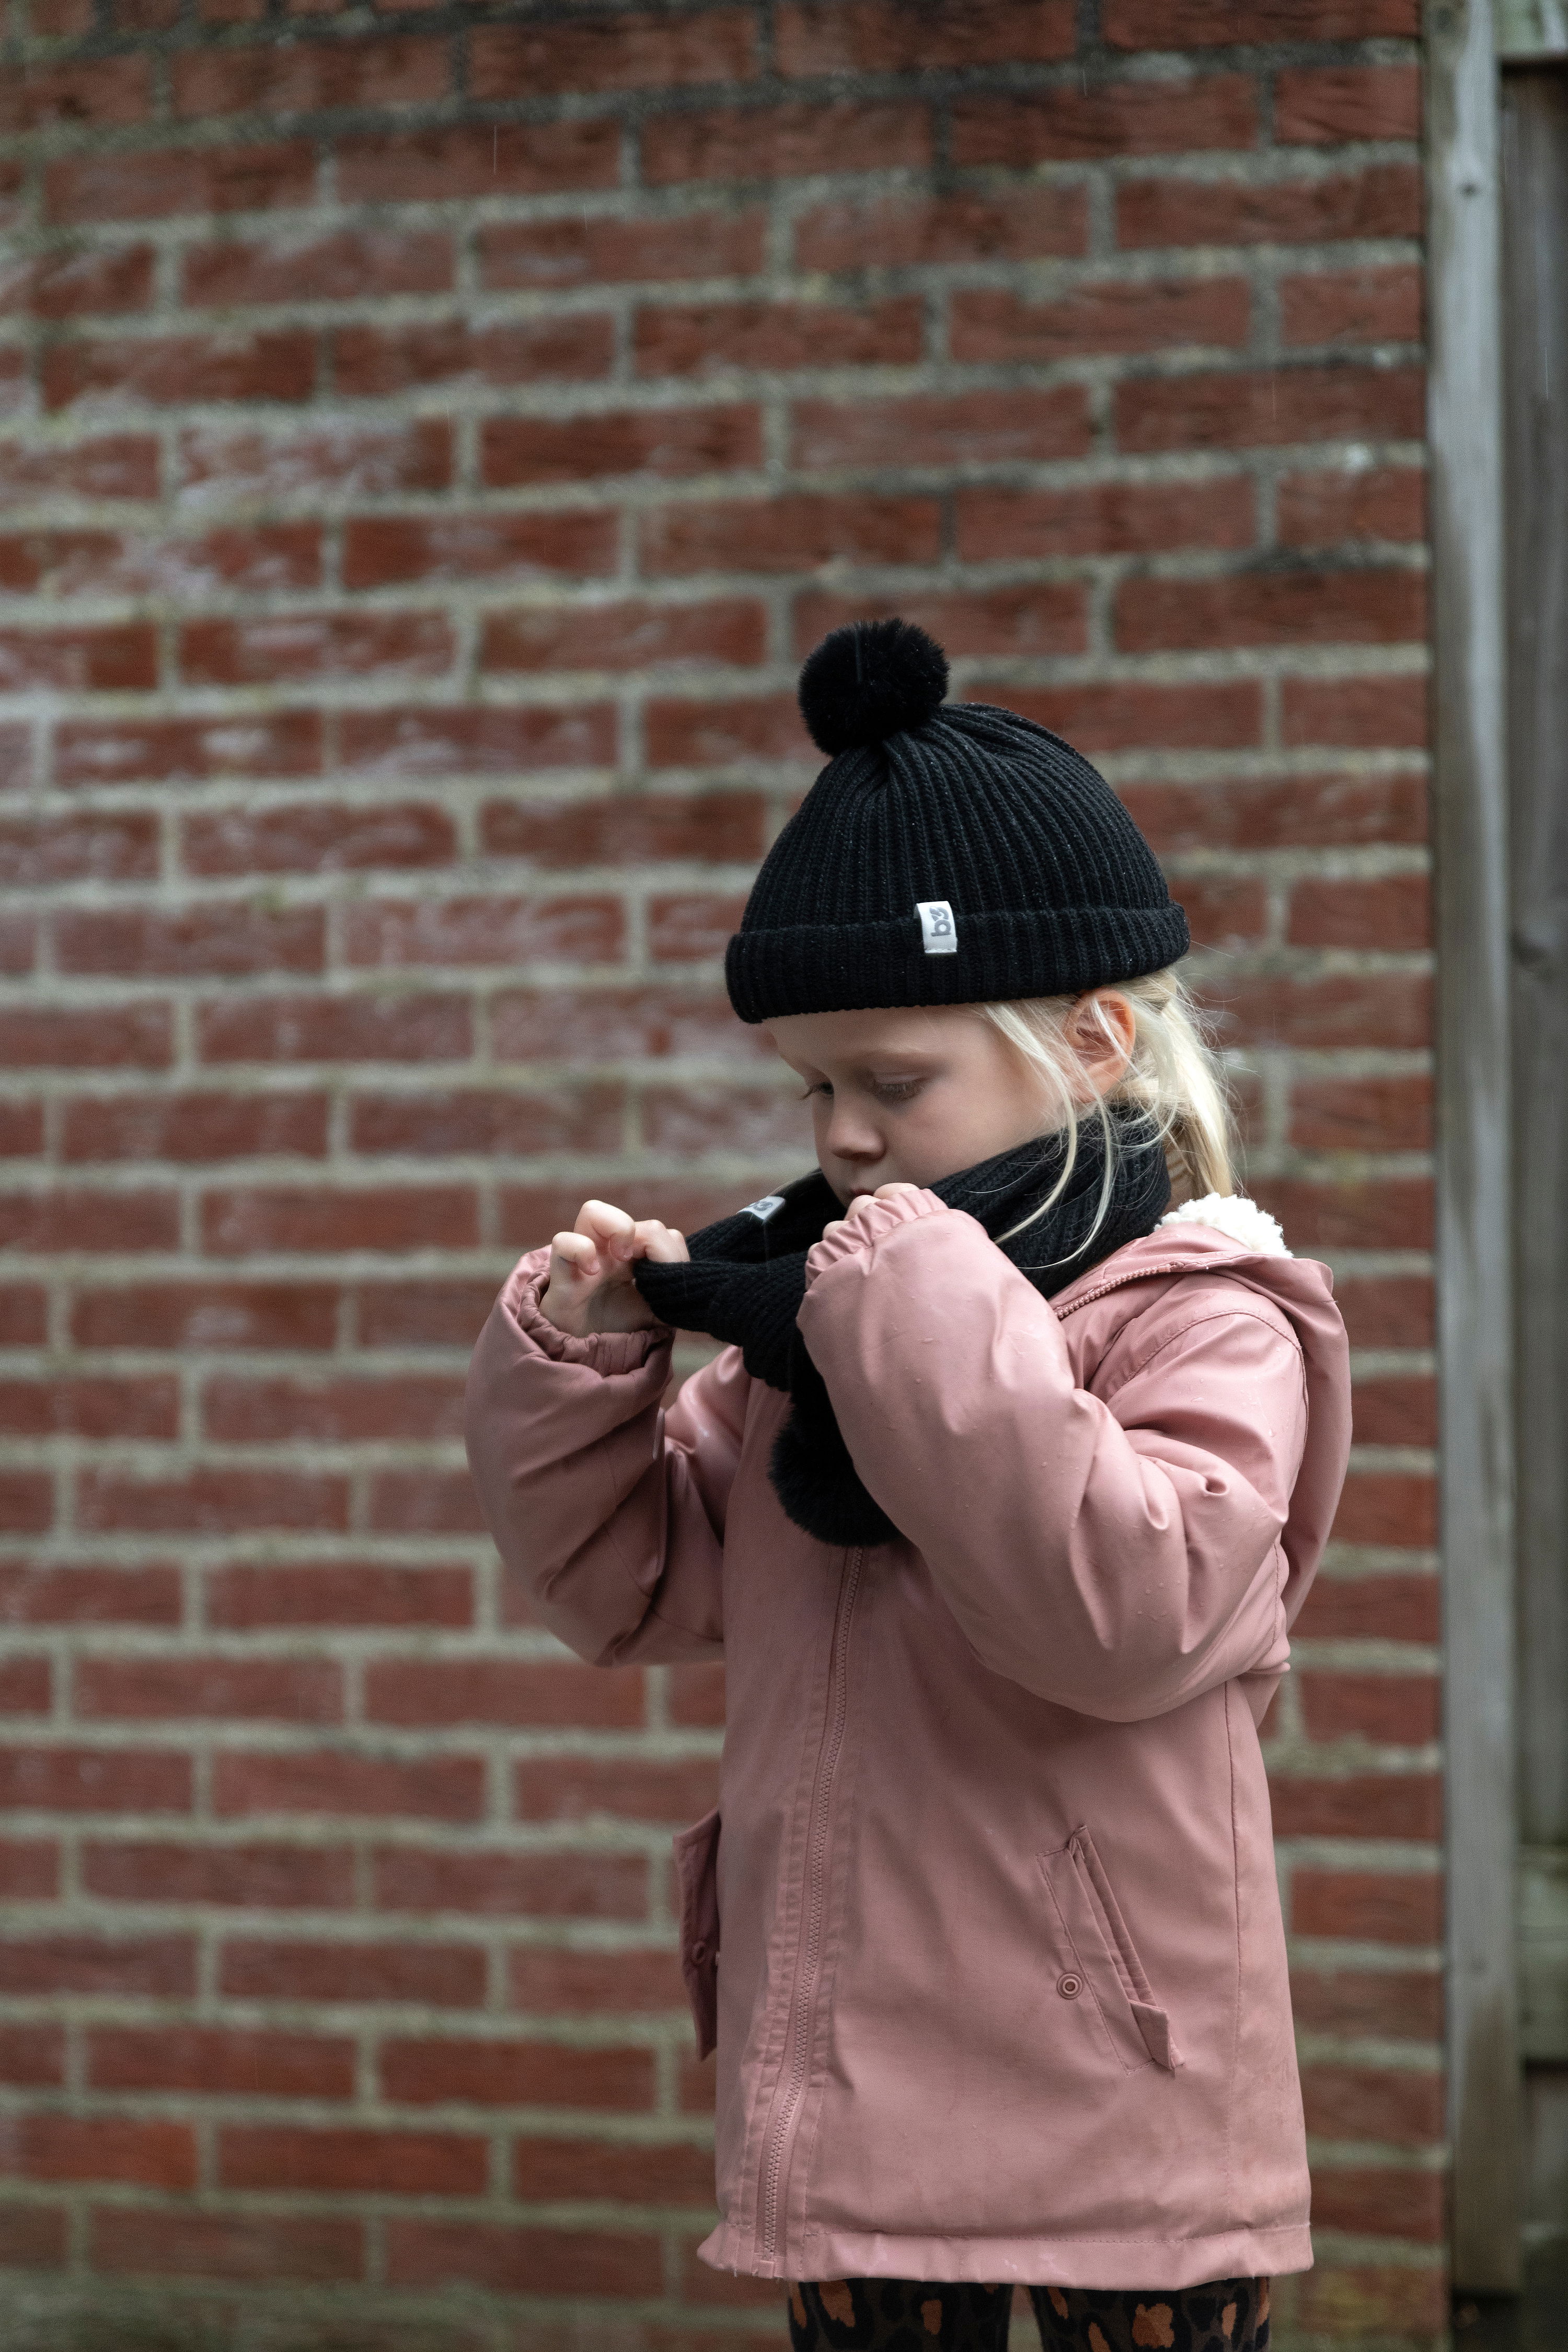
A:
746,1279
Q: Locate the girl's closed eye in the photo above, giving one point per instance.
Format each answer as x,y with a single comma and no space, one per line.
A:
892,1090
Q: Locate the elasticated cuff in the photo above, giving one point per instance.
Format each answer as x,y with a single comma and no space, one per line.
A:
604,1351
862,1232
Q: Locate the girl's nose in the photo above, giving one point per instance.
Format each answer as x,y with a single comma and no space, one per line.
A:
851,1136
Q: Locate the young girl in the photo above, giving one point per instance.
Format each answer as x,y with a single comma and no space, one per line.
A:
998,1508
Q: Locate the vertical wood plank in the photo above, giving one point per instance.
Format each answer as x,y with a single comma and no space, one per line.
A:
1475,1273
1535,346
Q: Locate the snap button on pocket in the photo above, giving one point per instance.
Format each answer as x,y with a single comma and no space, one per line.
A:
1069,1985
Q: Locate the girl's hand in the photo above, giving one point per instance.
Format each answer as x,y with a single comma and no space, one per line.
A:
590,1286
863,1202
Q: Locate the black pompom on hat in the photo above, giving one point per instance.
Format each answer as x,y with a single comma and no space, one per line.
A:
865,683
947,853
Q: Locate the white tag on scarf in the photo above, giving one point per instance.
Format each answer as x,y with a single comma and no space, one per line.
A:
768,1206
939,932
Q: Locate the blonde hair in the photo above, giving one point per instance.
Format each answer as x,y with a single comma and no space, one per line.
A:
1173,1080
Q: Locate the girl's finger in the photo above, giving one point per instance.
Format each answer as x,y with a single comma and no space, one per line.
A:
659,1242
609,1228
575,1255
888,1192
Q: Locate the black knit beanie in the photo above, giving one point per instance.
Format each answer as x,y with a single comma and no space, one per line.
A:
947,853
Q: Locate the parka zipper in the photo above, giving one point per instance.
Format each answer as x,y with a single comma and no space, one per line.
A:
815,1907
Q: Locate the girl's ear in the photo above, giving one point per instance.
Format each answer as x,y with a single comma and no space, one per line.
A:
1102,1031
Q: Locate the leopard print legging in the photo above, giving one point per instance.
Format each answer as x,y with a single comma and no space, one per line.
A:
914,2315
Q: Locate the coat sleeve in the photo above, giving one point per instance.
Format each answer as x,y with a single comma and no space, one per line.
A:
1117,1554
608,1511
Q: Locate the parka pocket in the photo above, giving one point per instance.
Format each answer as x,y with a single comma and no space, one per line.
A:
1109,1970
696,1871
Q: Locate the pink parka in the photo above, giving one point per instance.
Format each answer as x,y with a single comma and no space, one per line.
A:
985,1924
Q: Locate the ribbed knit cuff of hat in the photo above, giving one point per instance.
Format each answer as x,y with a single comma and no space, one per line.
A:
1012,952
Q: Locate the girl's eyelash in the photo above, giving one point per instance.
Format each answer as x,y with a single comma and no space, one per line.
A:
901,1092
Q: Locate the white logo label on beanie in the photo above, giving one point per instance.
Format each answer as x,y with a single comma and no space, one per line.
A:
768,1206
939,931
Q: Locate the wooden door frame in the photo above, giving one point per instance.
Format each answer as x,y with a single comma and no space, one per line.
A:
1469,799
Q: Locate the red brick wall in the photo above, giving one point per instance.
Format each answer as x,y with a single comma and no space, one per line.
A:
430,443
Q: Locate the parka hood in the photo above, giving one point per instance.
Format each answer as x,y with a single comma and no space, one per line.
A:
1228,1234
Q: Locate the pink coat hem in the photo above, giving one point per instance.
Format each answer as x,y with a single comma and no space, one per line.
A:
1136,2264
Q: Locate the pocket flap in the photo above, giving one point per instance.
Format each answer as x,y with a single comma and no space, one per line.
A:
696,1871
1091,1918
1156,2027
